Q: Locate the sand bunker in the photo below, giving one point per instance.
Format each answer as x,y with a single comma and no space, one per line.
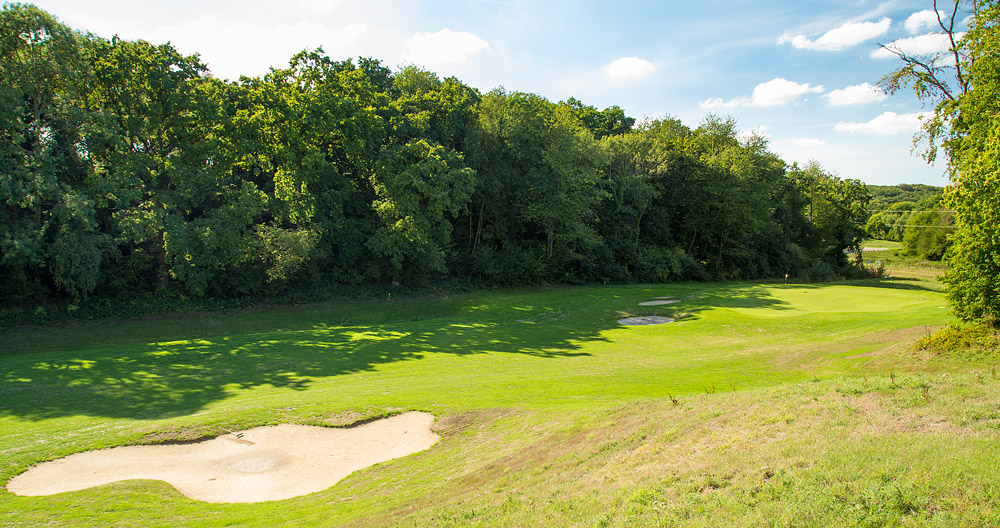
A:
262,464
645,320
658,303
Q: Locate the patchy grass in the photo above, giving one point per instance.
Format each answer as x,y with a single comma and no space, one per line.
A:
903,267
787,405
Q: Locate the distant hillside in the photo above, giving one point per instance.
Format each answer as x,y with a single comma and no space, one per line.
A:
884,196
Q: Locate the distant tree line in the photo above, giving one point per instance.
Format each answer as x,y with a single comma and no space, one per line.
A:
127,169
914,215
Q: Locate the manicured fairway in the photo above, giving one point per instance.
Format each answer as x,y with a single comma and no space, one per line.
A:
502,371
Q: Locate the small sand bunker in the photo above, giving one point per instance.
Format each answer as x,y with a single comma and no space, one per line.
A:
645,320
659,302
262,464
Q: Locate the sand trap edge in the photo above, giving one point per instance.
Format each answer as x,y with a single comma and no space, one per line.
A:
645,320
270,465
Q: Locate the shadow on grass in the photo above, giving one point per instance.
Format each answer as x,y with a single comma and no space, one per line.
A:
737,296
166,379
898,283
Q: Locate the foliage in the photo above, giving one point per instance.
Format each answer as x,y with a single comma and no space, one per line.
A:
418,186
928,237
974,194
914,215
979,336
965,84
885,196
127,170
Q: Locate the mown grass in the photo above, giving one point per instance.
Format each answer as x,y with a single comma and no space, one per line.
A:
785,405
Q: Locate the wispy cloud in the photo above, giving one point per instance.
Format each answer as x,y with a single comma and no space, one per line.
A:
838,38
887,123
776,92
443,47
857,94
629,68
919,45
916,22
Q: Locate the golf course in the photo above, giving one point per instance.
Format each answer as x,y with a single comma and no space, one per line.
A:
761,404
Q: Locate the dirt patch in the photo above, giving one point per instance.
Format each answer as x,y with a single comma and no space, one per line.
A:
261,464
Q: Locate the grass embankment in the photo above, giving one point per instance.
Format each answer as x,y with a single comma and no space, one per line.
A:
778,404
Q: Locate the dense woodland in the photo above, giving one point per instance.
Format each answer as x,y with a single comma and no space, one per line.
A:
127,170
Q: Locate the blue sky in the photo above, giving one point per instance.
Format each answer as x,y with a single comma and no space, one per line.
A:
794,71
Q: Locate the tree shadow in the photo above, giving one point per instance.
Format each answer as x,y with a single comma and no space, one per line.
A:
901,283
169,379
723,296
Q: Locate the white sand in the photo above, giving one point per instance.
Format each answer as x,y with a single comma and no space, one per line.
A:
658,303
645,320
265,464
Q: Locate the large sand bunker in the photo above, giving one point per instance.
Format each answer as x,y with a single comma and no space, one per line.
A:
261,464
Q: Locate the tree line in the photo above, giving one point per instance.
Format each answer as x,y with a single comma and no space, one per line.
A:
127,169
914,215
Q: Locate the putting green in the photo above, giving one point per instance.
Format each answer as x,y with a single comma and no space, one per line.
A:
794,301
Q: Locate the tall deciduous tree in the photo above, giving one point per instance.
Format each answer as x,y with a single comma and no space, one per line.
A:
973,277
964,84
420,188
48,231
160,164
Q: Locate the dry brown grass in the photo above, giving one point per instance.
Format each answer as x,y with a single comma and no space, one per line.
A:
704,444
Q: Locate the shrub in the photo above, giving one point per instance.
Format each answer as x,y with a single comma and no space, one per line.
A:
980,336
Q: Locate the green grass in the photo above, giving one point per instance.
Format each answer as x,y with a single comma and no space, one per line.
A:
551,412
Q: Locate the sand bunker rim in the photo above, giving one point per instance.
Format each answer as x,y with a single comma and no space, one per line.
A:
282,462
645,320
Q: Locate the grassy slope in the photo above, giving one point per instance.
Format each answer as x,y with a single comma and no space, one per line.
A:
889,254
785,408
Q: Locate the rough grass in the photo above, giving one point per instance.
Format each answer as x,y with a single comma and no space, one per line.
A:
890,254
781,405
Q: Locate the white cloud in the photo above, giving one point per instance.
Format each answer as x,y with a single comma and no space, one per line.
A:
760,132
779,91
919,45
717,102
444,47
857,94
776,92
921,19
841,37
629,67
886,124
261,47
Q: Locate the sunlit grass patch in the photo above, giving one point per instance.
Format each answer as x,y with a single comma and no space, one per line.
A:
549,410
